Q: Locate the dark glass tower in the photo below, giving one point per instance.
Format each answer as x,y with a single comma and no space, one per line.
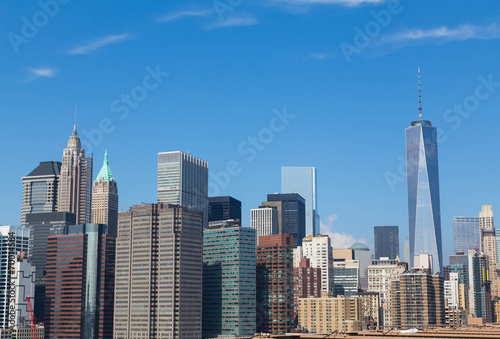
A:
386,241
223,208
293,215
424,211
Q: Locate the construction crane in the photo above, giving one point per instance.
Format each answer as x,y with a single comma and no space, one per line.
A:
32,319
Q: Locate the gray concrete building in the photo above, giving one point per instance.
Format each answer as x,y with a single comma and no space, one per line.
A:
158,288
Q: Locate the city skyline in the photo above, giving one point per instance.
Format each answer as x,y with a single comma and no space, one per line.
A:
329,98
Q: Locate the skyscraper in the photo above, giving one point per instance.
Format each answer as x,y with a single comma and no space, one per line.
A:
479,286
80,283
229,303
306,283
486,217
346,277
75,184
42,226
488,242
183,180
364,256
318,250
224,208
302,180
40,189
406,248
293,215
159,265
105,198
264,220
422,175
465,233
13,240
386,242
275,284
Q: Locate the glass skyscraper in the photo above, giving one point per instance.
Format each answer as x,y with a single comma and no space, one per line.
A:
302,180
386,241
424,211
465,233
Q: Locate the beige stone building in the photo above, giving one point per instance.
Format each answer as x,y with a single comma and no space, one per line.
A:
328,314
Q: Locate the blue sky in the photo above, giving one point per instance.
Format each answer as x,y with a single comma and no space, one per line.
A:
339,75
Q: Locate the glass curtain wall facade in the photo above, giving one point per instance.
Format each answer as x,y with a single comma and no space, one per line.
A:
302,180
424,211
465,233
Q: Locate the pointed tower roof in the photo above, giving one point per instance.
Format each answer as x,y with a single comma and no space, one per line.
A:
105,172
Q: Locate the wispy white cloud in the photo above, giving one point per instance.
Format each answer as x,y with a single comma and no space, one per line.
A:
39,72
184,14
445,34
320,56
234,22
342,239
98,43
349,3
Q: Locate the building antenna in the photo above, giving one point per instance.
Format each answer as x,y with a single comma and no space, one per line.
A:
75,118
419,97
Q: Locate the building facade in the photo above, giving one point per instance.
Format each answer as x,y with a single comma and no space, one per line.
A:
229,291
479,286
40,189
318,250
13,241
422,173
224,208
183,180
293,215
306,283
83,261
74,194
275,284
105,198
386,242
465,233
364,256
159,267
346,277
264,221
302,180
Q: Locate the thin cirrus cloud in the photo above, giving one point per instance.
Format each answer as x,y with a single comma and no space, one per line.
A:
233,22
40,72
184,14
98,44
444,34
348,3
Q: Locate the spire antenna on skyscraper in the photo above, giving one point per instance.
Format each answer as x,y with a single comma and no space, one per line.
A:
419,97
74,126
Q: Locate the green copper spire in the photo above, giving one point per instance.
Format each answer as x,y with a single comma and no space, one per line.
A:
105,172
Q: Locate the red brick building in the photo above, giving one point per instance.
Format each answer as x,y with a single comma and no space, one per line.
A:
275,284
306,283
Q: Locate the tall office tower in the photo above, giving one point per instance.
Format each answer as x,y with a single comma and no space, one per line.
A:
386,242
40,189
465,233
293,215
380,274
105,198
319,250
406,249
74,192
306,283
25,287
422,173
159,267
346,277
229,270
13,240
328,314
41,226
452,291
223,208
275,284
479,286
417,300
302,180
80,283
364,256
486,217
183,180
264,220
